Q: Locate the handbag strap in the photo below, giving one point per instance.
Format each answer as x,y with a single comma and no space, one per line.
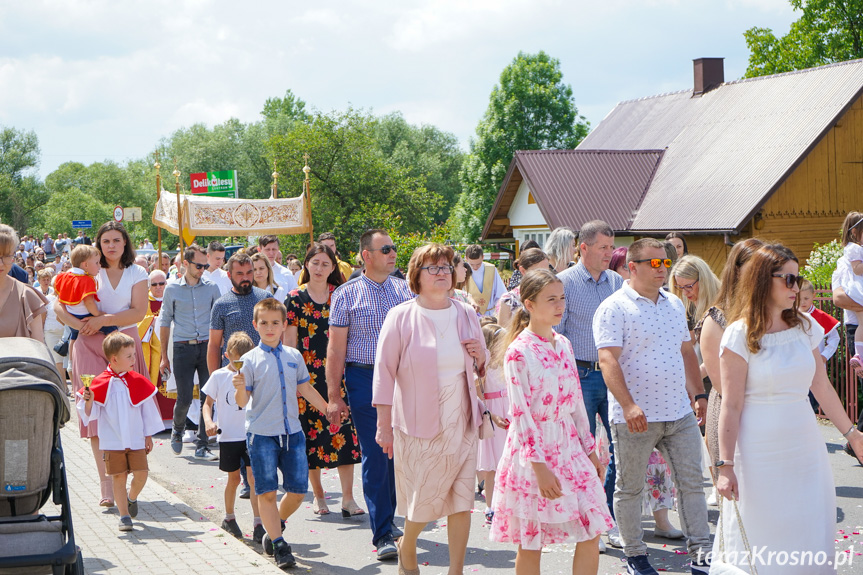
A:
743,536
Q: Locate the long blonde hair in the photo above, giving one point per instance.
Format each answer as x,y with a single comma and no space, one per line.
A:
260,257
530,287
694,268
494,337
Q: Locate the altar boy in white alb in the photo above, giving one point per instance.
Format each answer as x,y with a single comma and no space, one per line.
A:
123,403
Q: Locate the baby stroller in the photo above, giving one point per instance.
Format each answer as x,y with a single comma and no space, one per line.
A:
33,406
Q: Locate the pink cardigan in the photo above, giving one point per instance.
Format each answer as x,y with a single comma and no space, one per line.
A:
406,375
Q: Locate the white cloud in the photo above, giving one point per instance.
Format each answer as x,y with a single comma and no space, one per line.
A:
103,77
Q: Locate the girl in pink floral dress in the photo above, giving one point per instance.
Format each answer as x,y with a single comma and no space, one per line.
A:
548,487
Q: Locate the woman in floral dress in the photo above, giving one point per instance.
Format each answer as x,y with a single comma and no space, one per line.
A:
327,445
548,487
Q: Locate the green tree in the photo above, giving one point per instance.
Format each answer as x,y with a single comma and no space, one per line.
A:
424,151
280,113
354,186
231,145
531,109
79,192
827,31
21,193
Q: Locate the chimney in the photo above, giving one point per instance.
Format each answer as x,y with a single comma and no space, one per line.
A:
709,74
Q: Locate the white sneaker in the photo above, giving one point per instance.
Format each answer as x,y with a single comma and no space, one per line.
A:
602,548
614,538
190,436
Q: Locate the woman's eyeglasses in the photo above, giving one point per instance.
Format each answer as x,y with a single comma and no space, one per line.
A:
790,279
157,284
687,288
655,262
437,270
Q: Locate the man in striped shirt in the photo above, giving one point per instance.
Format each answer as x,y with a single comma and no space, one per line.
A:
357,312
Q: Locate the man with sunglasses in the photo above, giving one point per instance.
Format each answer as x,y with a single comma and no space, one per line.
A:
357,313
653,377
186,304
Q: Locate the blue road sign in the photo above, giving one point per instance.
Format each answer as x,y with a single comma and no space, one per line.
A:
82,224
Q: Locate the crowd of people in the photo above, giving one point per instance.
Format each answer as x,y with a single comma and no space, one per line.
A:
599,383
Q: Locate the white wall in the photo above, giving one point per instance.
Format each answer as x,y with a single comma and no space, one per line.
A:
523,214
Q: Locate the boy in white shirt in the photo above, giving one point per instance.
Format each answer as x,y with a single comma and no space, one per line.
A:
122,401
230,425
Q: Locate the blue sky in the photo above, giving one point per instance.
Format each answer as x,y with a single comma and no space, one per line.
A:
101,79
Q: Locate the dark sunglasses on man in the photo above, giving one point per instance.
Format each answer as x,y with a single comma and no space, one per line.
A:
384,249
791,279
655,262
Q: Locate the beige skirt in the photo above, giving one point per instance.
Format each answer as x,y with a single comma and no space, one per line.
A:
435,477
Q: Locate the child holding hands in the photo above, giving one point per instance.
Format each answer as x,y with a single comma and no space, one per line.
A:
122,401
549,487
271,375
491,389
231,429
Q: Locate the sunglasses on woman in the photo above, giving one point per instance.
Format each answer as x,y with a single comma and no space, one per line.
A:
655,262
790,279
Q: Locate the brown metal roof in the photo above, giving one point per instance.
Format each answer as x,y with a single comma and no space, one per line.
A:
572,187
727,151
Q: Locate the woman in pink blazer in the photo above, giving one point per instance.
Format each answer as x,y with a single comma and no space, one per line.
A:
428,413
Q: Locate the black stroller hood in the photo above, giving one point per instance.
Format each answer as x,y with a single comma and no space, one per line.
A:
27,364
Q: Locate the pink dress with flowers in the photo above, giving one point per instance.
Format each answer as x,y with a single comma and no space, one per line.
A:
549,424
491,448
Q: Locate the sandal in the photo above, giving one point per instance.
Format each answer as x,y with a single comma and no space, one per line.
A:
320,506
105,502
350,509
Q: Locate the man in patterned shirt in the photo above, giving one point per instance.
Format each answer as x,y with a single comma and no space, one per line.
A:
234,311
357,313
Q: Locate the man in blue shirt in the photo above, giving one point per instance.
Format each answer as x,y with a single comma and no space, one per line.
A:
357,313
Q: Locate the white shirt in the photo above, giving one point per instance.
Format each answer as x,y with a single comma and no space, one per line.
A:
498,289
279,294
230,418
844,277
649,335
220,278
51,322
121,425
284,277
115,300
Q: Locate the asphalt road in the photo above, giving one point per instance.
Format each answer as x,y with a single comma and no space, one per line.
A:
332,545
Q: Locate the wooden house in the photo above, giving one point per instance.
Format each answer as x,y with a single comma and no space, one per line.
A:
777,157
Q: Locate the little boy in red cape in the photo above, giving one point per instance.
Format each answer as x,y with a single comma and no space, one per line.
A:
122,401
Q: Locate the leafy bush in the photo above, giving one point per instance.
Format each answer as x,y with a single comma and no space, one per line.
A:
822,263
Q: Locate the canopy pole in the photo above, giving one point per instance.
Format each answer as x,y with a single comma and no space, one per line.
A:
176,174
308,192
275,190
158,166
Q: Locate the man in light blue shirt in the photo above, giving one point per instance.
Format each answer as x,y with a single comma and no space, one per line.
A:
187,304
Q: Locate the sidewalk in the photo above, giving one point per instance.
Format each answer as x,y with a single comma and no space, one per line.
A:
169,536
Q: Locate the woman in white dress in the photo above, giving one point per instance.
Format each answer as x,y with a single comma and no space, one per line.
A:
773,459
122,291
262,273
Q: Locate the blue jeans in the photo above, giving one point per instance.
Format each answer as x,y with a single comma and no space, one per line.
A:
286,453
379,479
595,395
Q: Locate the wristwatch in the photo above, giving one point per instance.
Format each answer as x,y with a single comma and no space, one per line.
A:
723,463
702,396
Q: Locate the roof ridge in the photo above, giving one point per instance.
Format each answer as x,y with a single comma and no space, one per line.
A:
793,72
592,151
744,80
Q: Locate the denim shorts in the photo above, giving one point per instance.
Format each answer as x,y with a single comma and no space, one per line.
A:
287,453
